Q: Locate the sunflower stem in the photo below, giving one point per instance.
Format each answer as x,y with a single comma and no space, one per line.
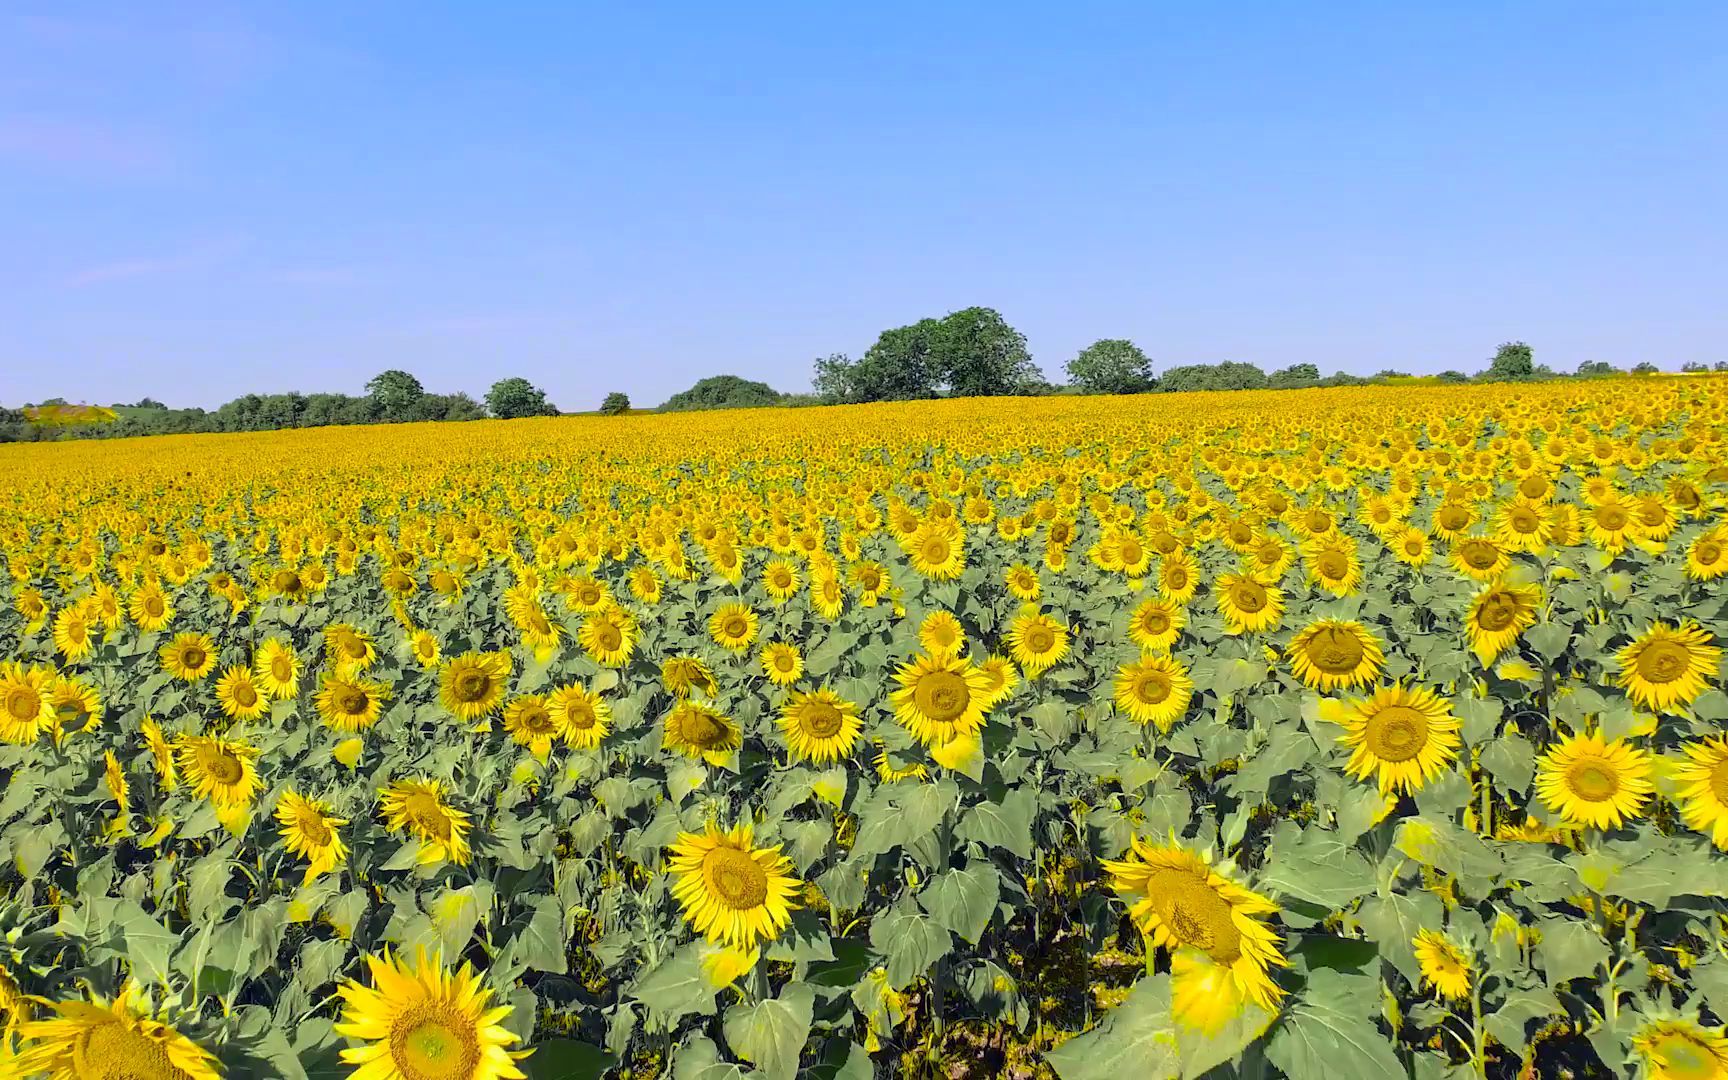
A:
1478,1055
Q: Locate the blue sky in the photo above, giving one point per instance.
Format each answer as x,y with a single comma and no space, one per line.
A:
200,201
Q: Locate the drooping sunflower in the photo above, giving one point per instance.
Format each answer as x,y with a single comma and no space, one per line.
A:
218,769
1445,964
277,669
733,626
1498,615
1156,623
25,708
1594,782
120,1039
1668,666
1181,901
114,778
645,584
733,892
782,663
424,1022
348,647
1036,641
1154,690
530,723
238,696
697,730
161,754
820,726
418,807
308,829
190,656
1701,785
472,685
349,703
584,718
941,634
940,697
1401,736
685,675
1331,654
1680,1048
1248,606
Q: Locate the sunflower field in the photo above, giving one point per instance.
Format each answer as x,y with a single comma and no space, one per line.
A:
1351,733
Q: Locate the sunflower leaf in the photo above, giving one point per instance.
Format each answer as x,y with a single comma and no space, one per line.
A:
771,1034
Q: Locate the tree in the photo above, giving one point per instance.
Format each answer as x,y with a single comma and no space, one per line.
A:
1646,368
1694,368
396,393
149,403
1294,376
968,353
723,392
1721,365
1451,375
1111,366
516,397
1229,375
1594,369
1512,360
978,354
457,406
616,404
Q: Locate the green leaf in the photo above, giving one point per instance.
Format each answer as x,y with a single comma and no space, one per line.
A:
567,1059
1327,1031
676,987
771,1034
1393,919
963,900
1509,1018
1316,866
1511,760
1136,1039
539,940
1570,950
1006,824
699,1059
207,898
149,944
910,941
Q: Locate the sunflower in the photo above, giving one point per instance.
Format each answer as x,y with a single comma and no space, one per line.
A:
732,892
1707,557
1410,546
1445,964
733,626
72,633
940,697
781,662
1497,615
1023,582
114,778
1701,785
349,703
118,1039
1479,557
583,718
820,726
1522,525
237,694
190,656
1404,737
423,646
645,584
76,707
1334,566
530,722
872,582
684,675
1154,690
1247,605
25,702
827,595
277,668
608,636
781,580
218,769
418,807
937,550
1181,902
149,608
1269,558
1594,782
1036,642
941,634
698,730
161,754
1666,667
1000,679
471,686
309,829
424,1022
349,648
539,632
1178,577
1612,524
1330,654
1680,1048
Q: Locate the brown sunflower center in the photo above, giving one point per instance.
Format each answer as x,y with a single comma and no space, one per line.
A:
537,721
1152,687
539,624
427,815
1396,733
23,704
281,667
579,714
192,657
1612,518
1132,552
700,729
1319,521
734,626
1663,661
223,767
353,648
1524,520
470,686
243,695
1593,780
1155,621
434,1041
1479,554
1194,913
1332,565
1176,576
820,719
936,550
785,660
287,581
114,1050
1533,487
1452,518
1242,533
1335,650
1708,552
154,606
443,581
1039,639
313,828
942,696
735,879
1498,611
1248,596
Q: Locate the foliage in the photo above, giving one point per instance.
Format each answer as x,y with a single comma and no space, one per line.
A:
1111,366
723,392
1229,375
968,353
516,397
1512,360
1293,377
616,404
394,394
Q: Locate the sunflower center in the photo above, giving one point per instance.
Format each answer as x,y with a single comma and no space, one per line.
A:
608,638
1593,780
1241,533
353,648
1611,518
471,686
312,825
114,1050
154,606
427,815
1498,611
1453,518
1524,520
1708,552
192,657
287,581
538,721
23,704
1039,639
1319,521
1248,596
1152,687
1663,661
1155,622
1195,914
1176,577
443,582
1335,650
734,626
1652,514
244,696
1684,1059
820,719
1479,554
1270,554
223,767
942,696
539,624
1396,733
735,879
1131,551
1332,565
785,661
579,715
433,1041
702,730
281,668
936,550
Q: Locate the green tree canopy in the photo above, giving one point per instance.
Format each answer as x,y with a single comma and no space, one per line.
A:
395,393
1111,366
1512,360
616,404
968,353
517,397
1229,375
723,392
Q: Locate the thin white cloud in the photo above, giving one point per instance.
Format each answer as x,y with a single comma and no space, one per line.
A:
191,258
